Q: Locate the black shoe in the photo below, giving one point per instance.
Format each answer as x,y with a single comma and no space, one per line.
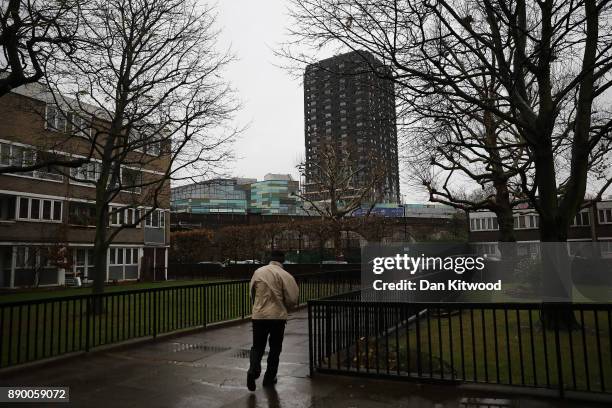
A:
269,382
251,382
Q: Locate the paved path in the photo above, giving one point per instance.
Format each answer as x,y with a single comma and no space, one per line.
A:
208,369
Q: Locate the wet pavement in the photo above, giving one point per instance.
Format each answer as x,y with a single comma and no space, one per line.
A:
208,369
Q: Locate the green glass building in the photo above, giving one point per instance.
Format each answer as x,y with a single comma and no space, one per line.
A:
274,195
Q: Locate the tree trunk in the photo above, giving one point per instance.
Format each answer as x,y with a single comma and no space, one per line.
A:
100,257
507,238
100,248
338,253
553,229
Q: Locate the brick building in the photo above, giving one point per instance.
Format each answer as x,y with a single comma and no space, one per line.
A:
47,216
591,224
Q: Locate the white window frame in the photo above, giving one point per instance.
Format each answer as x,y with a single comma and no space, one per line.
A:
131,213
161,219
88,263
488,223
80,125
135,190
580,216
92,167
607,215
41,201
114,255
36,174
530,221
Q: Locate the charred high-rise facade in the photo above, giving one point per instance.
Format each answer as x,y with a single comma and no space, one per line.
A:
349,104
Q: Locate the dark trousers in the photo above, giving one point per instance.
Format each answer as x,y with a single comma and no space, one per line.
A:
262,330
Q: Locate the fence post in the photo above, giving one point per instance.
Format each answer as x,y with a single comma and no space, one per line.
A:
310,334
328,338
558,352
205,305
155,314
89,301
243,298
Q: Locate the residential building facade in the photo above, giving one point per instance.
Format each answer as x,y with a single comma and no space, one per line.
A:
593,223
350,107
47,216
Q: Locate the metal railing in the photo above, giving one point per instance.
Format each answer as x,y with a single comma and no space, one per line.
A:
503,344
38,329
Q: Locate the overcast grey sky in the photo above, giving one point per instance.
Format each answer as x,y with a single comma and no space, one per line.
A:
272,100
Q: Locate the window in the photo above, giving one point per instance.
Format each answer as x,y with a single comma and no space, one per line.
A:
124,216
605,215
484,224
18,155
115,216
87,172
23,207
7,207
526,221
156,219
23,258
123,256
36,209
582,219
46,210
22,156
60,121
57,210
82,214
55,119
145,139
51,113
154,148
83,263
79,124
5,154
48,172
131,180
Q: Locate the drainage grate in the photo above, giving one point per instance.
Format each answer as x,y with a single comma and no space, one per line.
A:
244,353
205,348
486,403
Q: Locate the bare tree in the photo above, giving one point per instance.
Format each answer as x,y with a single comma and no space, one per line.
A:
452,147
34,34
551,60
31,30
548,58
337,182
150,76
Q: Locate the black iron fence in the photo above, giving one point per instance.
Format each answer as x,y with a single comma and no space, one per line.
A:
502,344
38,329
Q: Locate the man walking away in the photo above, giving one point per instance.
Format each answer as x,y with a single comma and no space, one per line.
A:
273,292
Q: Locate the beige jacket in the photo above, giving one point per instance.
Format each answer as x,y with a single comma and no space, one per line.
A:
273,292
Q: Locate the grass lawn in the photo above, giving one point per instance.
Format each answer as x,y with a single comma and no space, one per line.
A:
492,346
